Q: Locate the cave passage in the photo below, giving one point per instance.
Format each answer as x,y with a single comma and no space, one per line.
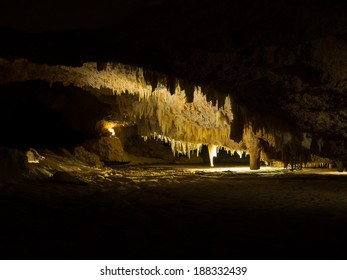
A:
180,129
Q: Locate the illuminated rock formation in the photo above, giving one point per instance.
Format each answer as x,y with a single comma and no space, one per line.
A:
158,113
171,110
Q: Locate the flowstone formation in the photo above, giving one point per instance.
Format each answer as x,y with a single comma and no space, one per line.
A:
169,109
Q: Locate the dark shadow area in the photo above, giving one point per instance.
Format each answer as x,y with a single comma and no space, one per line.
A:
203,217
33,114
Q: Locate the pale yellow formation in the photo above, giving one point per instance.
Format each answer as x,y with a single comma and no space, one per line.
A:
185,125
212,152
157,112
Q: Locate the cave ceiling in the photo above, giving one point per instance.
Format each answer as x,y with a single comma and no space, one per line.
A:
251,75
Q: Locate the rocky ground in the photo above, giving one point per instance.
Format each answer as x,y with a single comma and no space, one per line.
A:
175,212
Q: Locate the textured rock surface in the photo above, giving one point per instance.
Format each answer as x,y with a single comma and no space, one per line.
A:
284,81
109,149
66,178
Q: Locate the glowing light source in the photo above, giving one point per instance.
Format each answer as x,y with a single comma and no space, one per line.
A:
112,131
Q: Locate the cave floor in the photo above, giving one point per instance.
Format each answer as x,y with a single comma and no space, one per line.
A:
178,212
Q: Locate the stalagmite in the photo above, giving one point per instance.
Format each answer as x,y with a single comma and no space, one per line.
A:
254,158
212,152
253,146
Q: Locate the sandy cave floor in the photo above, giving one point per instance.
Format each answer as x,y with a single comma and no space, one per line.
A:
178,212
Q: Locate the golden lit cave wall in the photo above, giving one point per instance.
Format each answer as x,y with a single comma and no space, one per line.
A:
185,125
166,116
162,110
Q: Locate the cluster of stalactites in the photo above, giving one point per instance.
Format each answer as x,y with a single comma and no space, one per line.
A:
294,148
117,77
178,147
188,125
162,110
186,122
186,148
197,121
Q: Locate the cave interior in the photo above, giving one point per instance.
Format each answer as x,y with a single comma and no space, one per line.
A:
174,130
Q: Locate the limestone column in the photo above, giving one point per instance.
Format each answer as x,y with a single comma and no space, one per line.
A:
253,145
254,158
